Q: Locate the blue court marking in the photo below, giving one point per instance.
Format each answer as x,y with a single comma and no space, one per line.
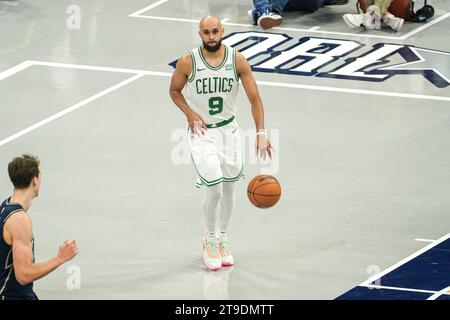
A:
364,293
429,271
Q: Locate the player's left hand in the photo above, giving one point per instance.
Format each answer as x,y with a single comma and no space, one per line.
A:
263,146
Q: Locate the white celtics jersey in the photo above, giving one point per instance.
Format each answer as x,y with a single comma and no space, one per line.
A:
211,92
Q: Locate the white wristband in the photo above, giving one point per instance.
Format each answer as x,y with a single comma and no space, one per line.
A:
261,132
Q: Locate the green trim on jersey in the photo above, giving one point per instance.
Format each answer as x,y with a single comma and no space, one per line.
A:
240,175
220,124
235,178
213,183
235,65
194,67
207,64
206,182
208,185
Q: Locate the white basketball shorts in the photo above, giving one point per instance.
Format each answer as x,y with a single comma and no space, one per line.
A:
217,155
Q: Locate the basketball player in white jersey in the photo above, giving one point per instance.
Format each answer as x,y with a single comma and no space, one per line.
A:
210,76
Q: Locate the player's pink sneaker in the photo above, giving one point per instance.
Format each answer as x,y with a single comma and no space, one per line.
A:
211,253
225,253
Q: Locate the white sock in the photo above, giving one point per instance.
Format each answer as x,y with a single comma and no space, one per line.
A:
213,198
223,236
226,206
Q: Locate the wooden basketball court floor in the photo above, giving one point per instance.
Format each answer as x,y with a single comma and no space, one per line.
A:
359,120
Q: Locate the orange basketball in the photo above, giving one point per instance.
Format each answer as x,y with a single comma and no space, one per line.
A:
264,191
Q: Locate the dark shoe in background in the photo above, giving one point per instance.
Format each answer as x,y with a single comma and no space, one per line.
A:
336,2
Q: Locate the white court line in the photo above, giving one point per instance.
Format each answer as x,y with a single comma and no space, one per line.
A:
69,109
169,19
150,7
96,68
138,14
357,91
12,71
399,289
262,83
425,26
259,82
424,240
402,262
358,35
440,293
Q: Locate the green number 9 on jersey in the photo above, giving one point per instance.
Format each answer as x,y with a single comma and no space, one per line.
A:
215,105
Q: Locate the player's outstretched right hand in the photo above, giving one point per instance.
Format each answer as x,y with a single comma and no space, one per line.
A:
68,250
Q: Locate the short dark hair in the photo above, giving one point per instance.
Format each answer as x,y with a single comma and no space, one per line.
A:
22,170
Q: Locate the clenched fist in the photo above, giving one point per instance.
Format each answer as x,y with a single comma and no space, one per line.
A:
68,250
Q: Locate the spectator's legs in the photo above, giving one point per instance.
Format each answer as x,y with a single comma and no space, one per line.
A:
369,3
389,19
383,5
304,5
358,20
263,15
278,5
261,5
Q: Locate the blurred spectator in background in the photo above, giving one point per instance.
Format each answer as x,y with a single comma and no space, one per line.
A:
267,13
375,16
